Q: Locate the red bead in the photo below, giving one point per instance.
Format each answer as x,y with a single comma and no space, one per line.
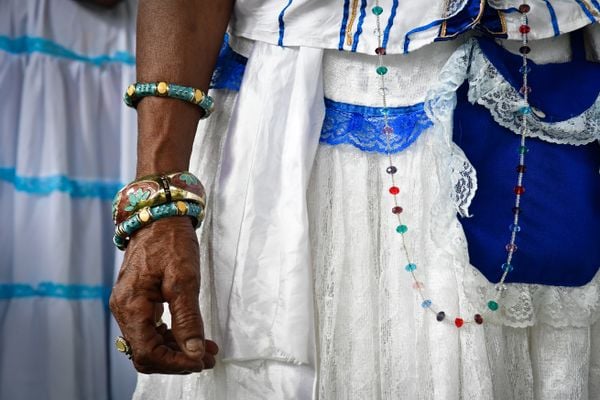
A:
459,322
524,8
524,29
380,51
394,190
397,210
521,169
525,89
519,189
478,319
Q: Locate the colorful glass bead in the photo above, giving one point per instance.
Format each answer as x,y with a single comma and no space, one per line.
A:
397,210
521,168
516,210
391,170
524,49
426,303
440,316
524,29
514,228
500,288
492,305
511,247
388,129
418,285
525,110
525,89
377,10
394,190
519,189
523,150
381,70
525,69
507,267
410,267
380,51
459,322
524,8
478,319
402,229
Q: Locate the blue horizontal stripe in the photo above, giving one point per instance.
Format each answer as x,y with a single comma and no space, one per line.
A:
28,45
43,186
72,292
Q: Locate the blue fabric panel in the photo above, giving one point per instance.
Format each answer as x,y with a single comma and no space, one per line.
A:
568,95
558,244
229,70
361,126
463,19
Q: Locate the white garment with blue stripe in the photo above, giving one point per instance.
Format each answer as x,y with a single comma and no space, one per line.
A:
63,131
406,25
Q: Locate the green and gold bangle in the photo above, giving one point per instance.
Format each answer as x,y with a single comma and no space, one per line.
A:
147,215
136,91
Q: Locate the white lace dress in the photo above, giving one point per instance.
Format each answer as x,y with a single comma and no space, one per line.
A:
303,280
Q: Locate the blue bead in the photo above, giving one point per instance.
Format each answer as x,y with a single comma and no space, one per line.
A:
514,228
525,69
410,267
525,110
506,267
426,303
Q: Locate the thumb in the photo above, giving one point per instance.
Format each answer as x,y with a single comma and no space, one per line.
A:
186,322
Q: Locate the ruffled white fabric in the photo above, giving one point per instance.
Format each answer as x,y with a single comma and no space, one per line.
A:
373,339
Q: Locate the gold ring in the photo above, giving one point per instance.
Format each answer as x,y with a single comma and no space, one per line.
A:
123,346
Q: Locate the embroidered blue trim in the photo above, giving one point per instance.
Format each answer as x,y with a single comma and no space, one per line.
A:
586,11
361,126
43,186
553,18
361,20
386,32
10,291
344,24
282,24
28,45
229,70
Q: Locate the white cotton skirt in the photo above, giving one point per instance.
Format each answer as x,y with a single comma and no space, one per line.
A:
333,314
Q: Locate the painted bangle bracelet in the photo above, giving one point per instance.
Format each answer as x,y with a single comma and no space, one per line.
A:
153,190
136,91
147,215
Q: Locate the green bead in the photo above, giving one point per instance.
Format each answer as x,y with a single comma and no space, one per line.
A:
382,70
523,149
377,10
402,229
492,305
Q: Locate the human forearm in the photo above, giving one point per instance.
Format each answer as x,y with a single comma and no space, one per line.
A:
178,41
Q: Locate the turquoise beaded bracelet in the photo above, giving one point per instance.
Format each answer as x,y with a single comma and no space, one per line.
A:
147,215
136,91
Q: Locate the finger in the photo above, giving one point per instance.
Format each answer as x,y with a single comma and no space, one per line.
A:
209,361
211,347
149,349
186,321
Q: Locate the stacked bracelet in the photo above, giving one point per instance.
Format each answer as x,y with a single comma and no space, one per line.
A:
153,197
147,215
136,91
153,190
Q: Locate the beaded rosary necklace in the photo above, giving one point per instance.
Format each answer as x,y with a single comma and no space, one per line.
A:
519,189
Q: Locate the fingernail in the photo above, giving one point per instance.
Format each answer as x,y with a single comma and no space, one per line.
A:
194,345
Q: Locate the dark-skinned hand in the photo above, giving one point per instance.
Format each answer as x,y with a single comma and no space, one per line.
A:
162,264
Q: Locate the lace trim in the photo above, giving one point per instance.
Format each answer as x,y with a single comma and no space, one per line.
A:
229,70
464,181
360,126
488,88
